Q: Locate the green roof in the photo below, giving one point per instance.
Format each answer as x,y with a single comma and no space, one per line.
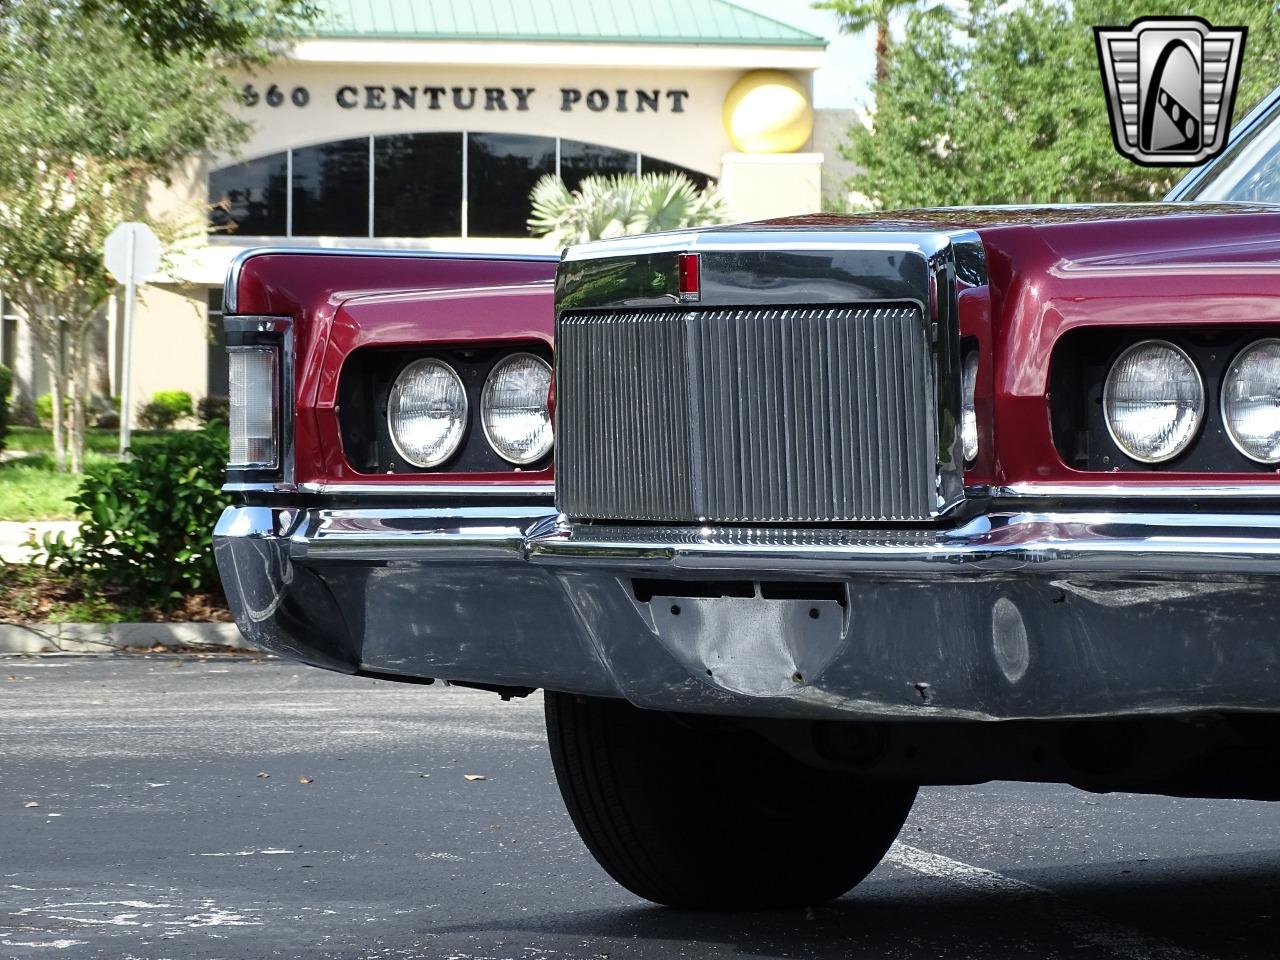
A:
716,22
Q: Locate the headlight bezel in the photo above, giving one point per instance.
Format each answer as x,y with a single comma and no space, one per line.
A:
1223,386
252,333
484,398
1201,412
364,390
459,441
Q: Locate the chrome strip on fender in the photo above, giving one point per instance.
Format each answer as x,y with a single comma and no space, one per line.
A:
1091,491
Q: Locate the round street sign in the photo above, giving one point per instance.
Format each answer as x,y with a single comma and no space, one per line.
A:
144,257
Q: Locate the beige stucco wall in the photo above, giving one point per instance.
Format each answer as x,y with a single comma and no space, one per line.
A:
760,186
170,344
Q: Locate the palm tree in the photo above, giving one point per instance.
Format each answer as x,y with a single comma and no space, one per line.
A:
858,15
621,205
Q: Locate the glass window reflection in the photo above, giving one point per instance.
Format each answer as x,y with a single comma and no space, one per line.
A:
331,189
501,170
654,165
417,185
579,160
249,198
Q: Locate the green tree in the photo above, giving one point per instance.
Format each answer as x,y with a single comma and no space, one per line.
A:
1003,103
621,205
103,99
243,31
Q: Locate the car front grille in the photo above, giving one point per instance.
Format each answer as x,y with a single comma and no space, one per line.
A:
806,415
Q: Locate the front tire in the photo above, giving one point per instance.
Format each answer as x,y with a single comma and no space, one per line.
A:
685,813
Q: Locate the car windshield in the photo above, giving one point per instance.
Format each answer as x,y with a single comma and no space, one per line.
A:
1249,169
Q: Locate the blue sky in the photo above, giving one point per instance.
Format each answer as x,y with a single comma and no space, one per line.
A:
850,68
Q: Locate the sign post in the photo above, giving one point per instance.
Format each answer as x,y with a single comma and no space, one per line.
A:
132,254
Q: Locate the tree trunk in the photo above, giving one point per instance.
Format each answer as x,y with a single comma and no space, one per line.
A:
41,316
57,391
882,49
79,357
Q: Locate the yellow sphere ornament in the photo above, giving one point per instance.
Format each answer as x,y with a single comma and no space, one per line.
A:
768,111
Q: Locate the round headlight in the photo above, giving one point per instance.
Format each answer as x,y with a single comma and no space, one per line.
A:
513,408
427,412
1153,401
1251,401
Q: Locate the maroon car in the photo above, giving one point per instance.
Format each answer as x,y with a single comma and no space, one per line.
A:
842,506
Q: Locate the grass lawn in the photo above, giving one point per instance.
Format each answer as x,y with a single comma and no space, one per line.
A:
40,440
30,487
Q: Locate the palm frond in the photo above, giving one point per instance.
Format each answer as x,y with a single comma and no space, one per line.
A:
621,205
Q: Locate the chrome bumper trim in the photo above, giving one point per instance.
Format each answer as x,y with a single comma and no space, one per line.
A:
1038,543
469,533
1010,616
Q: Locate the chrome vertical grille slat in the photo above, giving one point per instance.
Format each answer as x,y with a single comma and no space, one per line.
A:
804,414
630,370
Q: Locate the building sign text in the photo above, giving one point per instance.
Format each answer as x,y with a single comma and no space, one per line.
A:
394,97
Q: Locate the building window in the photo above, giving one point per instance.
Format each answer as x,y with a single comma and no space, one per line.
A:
8,336
654,165
251,197
331,189
410,185
501,170
579,160
417,185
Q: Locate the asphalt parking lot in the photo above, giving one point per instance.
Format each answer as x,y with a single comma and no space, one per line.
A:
171,807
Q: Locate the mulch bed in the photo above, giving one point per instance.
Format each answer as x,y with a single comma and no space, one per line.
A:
31,594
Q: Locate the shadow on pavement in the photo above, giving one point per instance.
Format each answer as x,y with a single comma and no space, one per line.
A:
1178,909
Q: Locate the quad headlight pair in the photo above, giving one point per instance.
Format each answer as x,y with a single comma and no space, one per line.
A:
1153,401
428,410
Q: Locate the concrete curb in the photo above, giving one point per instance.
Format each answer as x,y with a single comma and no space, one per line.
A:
35,638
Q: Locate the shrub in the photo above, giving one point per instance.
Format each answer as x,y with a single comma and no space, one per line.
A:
210,409
44,408
104,413
6,384
146,524
165,408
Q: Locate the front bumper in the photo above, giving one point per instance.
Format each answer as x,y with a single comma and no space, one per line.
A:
1008,616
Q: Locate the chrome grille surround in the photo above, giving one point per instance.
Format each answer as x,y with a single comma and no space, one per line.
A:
816,382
